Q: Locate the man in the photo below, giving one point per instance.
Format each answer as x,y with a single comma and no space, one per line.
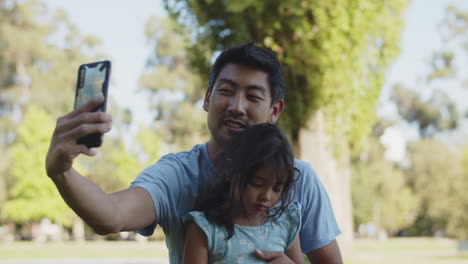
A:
246,87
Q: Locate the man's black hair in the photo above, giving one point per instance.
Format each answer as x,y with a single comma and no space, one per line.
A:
256,57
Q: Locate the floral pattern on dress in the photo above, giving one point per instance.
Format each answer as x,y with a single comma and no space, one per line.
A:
274,235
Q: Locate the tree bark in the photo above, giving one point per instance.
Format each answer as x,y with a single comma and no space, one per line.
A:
10,232
78,230
335,174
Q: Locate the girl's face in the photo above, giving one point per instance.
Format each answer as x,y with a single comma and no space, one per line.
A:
261,193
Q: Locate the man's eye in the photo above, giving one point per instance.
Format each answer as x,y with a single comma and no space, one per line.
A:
224,90
254,98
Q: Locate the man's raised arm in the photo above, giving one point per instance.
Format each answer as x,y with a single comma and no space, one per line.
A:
128,209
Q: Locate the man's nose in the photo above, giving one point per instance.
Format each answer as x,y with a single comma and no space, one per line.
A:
237,104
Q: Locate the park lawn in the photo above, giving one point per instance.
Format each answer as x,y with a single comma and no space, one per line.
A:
88,249
406,251
401,251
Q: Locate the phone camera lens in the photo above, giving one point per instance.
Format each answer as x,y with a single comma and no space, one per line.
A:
82,77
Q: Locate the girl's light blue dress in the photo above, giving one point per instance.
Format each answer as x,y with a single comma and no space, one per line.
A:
274,235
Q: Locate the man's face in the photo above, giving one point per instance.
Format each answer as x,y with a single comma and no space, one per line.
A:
241,97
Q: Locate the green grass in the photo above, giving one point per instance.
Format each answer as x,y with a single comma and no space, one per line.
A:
400,251
94,249
406,251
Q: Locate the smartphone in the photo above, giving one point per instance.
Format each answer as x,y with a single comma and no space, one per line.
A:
93,80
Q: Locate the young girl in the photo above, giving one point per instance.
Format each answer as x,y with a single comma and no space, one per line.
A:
250,207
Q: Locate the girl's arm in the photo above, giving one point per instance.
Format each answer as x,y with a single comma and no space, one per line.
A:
196,245
294,252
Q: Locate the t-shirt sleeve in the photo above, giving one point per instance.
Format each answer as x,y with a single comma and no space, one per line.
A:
293,213
162,184
319,226
199,219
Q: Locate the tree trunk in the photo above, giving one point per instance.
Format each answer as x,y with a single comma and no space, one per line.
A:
10,232
33,228
78,230
23,83
334,173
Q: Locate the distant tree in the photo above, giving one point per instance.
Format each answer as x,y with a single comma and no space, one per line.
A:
122,155
114,167
375,183
150,144
435,173
459,225
437,114
33,195
33,69
437,176
37,74
175,90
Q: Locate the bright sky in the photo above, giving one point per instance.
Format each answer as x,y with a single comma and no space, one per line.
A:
419,40
120,25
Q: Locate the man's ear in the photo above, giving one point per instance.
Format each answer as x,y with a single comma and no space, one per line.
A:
275,111
206,102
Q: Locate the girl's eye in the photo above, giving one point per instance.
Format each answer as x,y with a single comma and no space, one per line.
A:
256,185
278,188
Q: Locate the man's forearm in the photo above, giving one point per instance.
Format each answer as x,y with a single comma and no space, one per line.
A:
329,254
89,201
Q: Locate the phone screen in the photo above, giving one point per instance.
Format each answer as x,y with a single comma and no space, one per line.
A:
92,82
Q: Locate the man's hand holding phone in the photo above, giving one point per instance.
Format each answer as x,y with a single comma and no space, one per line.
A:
82,129
78,132
63,147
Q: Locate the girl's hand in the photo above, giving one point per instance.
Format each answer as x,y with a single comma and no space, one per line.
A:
273,257
292,255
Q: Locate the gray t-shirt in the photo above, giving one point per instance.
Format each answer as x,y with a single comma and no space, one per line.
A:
176,182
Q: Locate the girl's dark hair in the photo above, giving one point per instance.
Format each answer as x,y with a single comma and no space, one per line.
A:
259,146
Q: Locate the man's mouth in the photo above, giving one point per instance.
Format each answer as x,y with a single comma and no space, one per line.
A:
234,124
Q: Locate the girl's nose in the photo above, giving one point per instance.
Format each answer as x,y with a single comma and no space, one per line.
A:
266,195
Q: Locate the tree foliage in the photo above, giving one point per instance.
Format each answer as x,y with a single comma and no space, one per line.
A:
33,195
32,67
121,156
455,24
440,183
114,167
435,173
374,186
175,89
37,81
334,53
437,114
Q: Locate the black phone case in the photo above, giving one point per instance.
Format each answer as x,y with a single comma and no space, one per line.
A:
92,140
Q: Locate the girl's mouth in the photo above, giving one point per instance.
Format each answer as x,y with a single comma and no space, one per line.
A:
261,208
